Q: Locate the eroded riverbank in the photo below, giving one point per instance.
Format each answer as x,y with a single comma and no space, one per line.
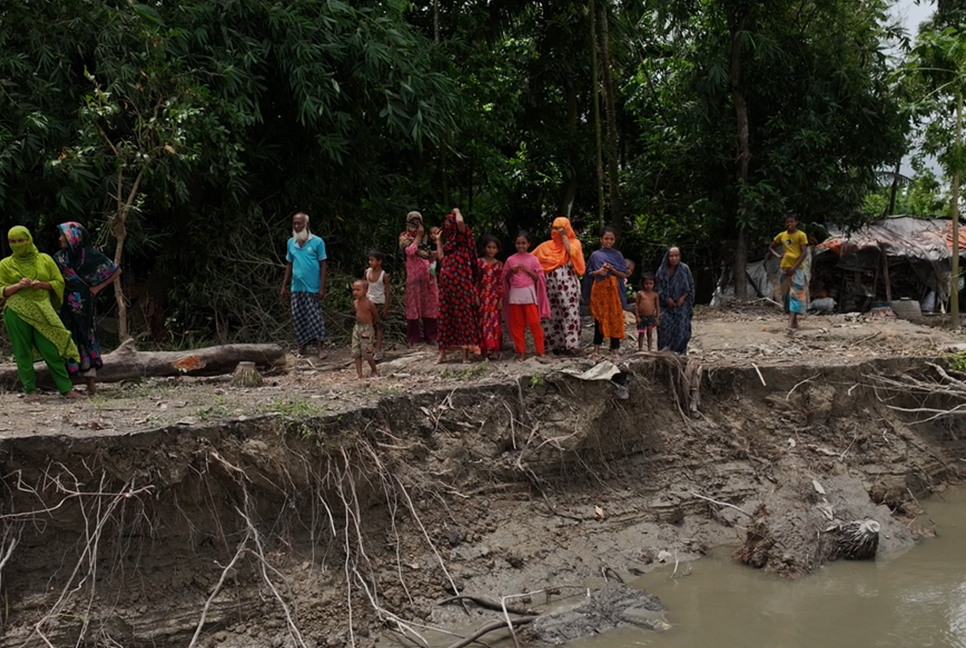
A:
316,528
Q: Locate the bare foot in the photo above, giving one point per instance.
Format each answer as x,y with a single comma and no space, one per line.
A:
442,358
32,397
521,357
91,385
74,395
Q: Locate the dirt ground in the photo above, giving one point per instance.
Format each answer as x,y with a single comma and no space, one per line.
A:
750,336
319,510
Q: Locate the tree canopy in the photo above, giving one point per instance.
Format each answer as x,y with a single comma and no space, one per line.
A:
193,129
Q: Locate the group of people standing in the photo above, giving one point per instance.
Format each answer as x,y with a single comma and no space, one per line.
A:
48,306
459,300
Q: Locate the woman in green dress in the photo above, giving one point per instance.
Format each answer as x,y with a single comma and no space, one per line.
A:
33,289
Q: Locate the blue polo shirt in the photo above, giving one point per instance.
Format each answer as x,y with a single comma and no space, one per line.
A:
305,263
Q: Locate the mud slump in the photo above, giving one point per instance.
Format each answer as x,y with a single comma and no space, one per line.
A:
333,531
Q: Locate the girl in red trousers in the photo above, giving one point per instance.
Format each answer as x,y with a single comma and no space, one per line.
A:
524,297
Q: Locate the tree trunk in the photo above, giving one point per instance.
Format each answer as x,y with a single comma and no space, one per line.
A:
736,26
569,190
436,23
957,179
891,207
119,228
126,363
122,332
592,15
610,106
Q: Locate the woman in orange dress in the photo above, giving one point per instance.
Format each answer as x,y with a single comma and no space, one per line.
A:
606,274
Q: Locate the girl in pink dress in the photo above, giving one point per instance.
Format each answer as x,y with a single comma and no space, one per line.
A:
422,296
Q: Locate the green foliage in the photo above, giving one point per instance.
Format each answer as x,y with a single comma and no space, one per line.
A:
957,362
922,197
936,73
236,113
822,120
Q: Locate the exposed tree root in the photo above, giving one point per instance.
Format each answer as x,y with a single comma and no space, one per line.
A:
490,627
488,604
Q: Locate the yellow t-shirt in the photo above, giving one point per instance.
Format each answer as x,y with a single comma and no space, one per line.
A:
792,244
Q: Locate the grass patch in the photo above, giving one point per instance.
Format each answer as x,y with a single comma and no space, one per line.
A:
295,406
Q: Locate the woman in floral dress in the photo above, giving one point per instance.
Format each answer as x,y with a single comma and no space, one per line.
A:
422,297
86,272
562,260
459,311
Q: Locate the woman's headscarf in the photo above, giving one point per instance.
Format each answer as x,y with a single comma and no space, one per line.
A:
24,254
452,237
413,220
675,286
552,254
81,261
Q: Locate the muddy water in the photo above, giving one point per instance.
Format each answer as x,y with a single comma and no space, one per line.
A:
917,598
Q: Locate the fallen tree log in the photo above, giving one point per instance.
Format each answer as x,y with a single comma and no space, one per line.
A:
127,363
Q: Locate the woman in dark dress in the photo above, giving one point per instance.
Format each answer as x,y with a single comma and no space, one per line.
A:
675,287
86,272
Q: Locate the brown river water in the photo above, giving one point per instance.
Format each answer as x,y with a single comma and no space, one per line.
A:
917,598
908,600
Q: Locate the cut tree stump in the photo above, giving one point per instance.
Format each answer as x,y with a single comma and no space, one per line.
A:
127,363
246,375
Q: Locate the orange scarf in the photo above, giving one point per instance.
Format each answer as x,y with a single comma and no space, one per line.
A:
552,254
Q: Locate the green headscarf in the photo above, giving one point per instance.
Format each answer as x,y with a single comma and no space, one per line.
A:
25,253
38,308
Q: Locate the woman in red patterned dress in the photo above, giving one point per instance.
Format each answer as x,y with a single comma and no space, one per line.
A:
459,311
491,299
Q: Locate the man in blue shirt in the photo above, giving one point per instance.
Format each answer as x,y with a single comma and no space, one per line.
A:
304,284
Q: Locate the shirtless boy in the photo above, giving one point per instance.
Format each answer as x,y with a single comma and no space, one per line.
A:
647,311
364,331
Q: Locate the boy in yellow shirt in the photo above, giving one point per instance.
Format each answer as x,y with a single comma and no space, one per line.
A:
794,246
